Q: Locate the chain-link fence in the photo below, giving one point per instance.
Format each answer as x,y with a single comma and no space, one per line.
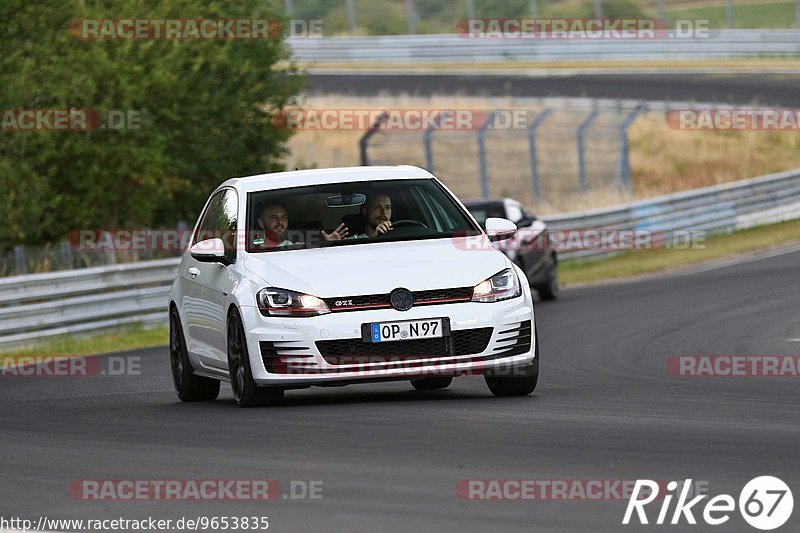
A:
542,154
397,17
67,255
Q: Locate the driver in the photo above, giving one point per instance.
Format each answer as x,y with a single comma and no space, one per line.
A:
377,213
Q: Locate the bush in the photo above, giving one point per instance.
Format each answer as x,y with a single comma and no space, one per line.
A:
205,109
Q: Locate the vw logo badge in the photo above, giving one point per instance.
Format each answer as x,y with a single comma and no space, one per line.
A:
401,299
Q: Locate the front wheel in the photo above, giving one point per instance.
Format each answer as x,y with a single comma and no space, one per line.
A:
190,388
245,391
549,289
521,381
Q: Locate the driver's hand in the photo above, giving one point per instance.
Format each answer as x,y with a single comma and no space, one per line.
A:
384,227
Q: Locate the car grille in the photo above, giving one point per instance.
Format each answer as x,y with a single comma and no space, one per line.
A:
518,342
461,342
381,301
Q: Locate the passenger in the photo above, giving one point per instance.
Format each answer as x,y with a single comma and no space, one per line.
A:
274,219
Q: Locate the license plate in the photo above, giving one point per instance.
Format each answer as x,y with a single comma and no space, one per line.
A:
405,331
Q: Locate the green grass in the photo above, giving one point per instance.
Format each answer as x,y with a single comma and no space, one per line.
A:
772,15
67,346
661,260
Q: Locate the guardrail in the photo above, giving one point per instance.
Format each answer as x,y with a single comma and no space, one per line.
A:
717,209
40,306
452,48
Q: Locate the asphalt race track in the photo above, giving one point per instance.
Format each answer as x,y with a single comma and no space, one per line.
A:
390,457
765,89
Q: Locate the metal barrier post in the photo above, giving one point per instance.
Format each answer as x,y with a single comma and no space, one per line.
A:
66,255
580,134
729,13
411,15
598,9
19,259
364,141
111,253
482,154
532,152
428,140
623,177
797,15
351,15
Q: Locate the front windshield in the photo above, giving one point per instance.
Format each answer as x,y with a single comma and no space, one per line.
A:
345,214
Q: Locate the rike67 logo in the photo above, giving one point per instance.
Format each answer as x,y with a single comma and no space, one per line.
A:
765,503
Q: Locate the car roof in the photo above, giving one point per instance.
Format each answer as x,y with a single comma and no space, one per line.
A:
491,201
321,176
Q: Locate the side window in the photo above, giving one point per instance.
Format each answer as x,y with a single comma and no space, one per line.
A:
525,214
219,221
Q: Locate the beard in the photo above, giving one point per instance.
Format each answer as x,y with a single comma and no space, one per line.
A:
275,236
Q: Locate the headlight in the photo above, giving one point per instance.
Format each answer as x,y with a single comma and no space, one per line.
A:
282,302
499,287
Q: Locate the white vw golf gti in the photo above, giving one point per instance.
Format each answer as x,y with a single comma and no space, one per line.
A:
349,275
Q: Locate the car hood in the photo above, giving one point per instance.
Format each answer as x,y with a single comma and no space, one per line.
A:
377,268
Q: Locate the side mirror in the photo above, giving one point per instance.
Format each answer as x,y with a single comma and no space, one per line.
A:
499,229
210,251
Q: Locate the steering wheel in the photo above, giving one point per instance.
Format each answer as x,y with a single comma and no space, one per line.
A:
407,222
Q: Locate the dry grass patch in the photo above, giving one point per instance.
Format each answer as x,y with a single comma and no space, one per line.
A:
82,345
663,160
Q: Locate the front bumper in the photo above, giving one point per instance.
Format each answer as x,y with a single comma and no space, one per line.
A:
295,359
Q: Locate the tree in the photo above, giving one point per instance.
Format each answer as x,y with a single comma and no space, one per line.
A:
205,109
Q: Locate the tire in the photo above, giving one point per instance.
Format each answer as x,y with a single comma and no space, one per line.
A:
188,386
431,383
521,383
245,391
549,289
